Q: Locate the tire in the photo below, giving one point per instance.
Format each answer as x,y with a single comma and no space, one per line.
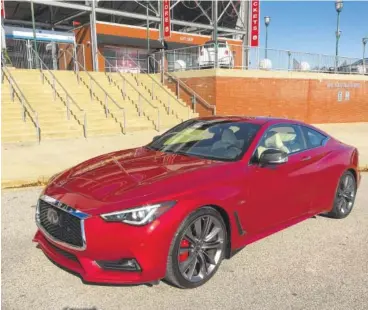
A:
201,240
344,196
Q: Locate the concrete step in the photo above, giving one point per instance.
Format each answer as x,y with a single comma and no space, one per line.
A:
39,105
61,134
60,126
16,138
41,116
103,131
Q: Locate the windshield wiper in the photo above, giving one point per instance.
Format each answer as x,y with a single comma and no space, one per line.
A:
150,148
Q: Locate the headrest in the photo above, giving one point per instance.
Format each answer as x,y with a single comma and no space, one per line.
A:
228,136
273,140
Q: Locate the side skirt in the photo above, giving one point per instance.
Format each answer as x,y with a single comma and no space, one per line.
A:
253,238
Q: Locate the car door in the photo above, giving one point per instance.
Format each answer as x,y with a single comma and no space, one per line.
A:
318,168
278,193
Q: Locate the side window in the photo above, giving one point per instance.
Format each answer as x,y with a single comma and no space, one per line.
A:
314,138
286,138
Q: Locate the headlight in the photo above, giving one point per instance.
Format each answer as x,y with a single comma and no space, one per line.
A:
140,215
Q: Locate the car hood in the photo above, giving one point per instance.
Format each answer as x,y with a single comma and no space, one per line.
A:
113,177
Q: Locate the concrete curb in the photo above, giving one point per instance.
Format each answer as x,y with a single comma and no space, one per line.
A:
42,181
8,184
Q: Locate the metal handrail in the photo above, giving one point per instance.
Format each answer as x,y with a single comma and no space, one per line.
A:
67,95
193,93
140,95
163,88
27,108
78,65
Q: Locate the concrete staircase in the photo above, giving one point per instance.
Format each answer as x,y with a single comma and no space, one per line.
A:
93,92
139,98
166,97
98,122
13,128
52,113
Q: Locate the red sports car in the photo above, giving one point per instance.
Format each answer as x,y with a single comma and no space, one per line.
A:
195,195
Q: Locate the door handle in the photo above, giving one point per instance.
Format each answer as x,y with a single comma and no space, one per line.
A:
306,158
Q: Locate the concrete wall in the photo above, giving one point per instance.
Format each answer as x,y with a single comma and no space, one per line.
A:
311,97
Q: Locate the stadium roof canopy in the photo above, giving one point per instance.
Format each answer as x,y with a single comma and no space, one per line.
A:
187,16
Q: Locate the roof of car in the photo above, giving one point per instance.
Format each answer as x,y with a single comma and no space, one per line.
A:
251,119
260,120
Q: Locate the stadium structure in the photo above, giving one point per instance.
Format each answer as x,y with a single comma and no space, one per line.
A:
116,28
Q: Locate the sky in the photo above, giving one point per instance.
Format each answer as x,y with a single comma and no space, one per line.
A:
310,26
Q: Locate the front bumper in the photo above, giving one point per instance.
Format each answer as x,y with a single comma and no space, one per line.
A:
148,245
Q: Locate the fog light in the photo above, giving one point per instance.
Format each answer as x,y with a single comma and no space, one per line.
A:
125,264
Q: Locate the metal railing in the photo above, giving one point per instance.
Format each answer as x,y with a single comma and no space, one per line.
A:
179,83
93,82
140,95
282,60
26,106
68,98
256,58
154,83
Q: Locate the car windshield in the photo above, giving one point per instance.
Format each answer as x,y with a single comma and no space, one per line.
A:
222,140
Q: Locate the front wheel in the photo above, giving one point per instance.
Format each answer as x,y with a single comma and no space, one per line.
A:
197,249
344,197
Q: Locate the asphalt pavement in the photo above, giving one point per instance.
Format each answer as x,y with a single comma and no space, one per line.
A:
318,264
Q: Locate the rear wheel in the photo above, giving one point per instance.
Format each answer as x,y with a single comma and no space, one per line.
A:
344,197
197,249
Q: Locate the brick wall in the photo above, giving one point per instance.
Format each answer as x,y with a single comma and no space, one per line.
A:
312,100
205,88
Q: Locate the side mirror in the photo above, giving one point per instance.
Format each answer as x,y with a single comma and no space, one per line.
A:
273,157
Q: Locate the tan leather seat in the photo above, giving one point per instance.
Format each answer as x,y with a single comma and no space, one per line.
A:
228,138
272,141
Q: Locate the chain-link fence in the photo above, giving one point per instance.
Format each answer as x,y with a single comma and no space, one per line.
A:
240,57
55,55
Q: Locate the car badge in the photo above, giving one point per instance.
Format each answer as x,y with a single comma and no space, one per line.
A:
52,216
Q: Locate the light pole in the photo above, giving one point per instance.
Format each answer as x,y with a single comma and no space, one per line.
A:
34,34
148,38
338,6
364,40
267,20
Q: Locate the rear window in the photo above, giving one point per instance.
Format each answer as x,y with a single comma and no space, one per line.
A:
313,137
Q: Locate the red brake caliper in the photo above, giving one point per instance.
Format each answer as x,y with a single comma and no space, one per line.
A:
184,256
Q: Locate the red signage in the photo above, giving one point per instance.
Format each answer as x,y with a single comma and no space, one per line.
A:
254,23
166,17
2,9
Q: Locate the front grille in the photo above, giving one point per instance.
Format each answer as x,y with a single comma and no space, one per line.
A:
60,224
64,253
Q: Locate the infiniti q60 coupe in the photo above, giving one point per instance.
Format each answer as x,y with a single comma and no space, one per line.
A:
195,195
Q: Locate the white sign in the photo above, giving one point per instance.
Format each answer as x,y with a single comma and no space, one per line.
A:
41,35
343,85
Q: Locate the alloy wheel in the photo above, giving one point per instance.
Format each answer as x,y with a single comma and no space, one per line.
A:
345,194
201,248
